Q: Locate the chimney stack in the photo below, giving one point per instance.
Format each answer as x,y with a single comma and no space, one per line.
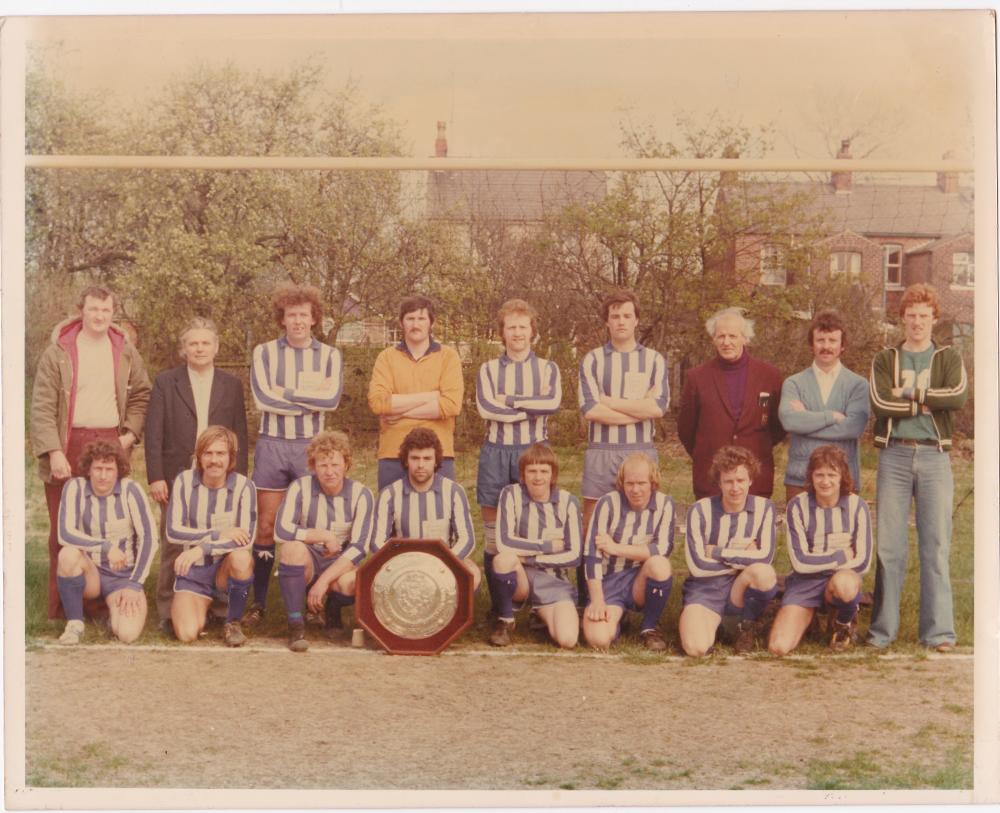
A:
948,181
441,142
842,180
729,178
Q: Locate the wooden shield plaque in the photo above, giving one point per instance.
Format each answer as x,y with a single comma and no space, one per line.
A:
414,596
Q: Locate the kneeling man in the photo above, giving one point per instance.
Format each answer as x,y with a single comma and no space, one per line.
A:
627,555
538,542
323,527
425,504
729,550
106,531
213,513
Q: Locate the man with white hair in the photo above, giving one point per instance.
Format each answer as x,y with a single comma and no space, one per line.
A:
731,400
186,400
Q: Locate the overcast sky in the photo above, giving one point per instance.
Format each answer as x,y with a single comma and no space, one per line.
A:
555,85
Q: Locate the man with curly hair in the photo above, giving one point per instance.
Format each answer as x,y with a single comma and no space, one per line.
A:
108,541
295,379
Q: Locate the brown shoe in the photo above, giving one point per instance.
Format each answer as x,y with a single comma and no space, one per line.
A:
253,616
653,640
297,637
944,647
501,633
232,634
842,636
746,637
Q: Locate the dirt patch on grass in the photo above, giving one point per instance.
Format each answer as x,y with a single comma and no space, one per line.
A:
339,718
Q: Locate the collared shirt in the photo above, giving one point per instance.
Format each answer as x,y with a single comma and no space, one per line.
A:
636,374
516,398
651,526
95,406
828,539
289,387
826,380
198,514
201,387
349,514
721,542
441,512
528,528
122,519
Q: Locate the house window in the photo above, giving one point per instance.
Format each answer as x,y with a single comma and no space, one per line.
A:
847,263
772,265
892,265
961,332
963,271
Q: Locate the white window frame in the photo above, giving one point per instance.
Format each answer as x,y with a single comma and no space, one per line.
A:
772,265
887,249
966,268
853,272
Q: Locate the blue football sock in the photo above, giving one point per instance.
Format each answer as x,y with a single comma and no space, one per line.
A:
263,564
292,581
490,580
238,590
846,610
506,584
71,593
756,601
657,593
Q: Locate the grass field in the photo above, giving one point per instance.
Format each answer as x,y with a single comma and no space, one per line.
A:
676,481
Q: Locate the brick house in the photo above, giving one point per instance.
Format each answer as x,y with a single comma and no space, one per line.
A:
884,235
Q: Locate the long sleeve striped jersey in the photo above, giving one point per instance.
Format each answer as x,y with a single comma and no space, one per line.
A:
350,514
516,398
197,514
528,528
441,512
637,374
652,526
719,542
123,519
824,540
289,388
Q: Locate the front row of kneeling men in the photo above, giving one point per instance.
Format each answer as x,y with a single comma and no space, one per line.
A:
327,524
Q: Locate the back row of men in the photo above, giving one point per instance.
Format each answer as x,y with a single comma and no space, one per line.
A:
91,386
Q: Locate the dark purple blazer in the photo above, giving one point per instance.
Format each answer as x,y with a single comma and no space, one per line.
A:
705,422
172,423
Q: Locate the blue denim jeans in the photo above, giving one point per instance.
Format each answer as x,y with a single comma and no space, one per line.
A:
907,474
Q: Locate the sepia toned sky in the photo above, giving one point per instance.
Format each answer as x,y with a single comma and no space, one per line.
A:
556,85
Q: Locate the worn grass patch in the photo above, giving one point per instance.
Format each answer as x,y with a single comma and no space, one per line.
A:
873,770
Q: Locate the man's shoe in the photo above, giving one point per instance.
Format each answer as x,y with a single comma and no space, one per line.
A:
842,636
501,633
232,634
944,647
653,640
535,622
297,637
331,615
72,634
746,637
253,616
167,629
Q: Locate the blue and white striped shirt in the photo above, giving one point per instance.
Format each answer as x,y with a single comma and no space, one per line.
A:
288,388
719,542
639,373
652,526
823,540
197,514
527,528
441,512
350,515
122,519
516,398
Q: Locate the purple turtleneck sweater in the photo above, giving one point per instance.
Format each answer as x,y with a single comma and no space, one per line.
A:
735,373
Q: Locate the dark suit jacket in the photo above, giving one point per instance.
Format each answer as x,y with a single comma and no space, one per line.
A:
172,423
705,422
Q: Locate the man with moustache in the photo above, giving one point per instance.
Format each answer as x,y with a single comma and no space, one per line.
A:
90,385
825,404
731,400
185,401
416,383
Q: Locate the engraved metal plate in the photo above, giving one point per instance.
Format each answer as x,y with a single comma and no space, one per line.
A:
414,595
